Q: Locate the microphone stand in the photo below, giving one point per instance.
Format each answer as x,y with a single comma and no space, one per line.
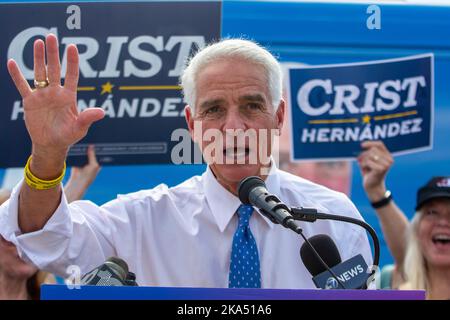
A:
252,190
290,224
311,215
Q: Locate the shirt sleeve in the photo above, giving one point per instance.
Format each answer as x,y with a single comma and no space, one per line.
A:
79,234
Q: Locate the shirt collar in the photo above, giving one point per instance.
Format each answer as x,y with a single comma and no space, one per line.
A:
224,204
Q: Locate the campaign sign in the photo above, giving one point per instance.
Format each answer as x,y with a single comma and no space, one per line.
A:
336,107
131,57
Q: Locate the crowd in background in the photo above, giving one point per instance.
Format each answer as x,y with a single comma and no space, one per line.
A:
420,247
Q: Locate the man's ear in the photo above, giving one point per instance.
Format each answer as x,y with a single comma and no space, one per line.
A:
189,116
280,114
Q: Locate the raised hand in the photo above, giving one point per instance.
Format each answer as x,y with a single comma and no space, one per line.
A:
82,177
51,114
53,123
375,161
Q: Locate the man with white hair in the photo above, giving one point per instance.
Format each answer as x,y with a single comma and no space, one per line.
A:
195,234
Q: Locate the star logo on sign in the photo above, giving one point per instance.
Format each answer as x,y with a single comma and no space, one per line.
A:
107,88
366,119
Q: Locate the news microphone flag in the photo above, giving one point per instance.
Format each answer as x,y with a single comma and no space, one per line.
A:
352,273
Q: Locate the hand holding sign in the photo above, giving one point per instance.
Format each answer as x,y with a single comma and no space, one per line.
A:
336,107
51,116
375,161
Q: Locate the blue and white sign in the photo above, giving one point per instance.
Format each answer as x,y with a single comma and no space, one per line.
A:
131,57
336,107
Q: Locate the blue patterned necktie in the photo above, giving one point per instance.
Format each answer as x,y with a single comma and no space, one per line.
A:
244,266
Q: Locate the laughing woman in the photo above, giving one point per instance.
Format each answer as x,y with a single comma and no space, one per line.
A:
427,260
421,249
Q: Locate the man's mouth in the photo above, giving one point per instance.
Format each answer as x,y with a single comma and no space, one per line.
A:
236,153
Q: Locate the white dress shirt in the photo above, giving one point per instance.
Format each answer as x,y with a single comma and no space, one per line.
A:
182,236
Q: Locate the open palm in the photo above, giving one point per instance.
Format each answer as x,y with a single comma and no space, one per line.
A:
51,115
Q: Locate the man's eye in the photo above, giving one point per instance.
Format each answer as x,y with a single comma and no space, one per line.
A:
431,212
212,110
254,106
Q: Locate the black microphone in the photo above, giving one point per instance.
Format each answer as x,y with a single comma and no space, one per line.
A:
311,215
350,274
113,272
326,248
252,190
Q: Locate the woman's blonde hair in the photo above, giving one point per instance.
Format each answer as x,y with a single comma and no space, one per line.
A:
415,265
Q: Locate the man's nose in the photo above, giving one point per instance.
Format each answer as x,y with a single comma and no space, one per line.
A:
233,120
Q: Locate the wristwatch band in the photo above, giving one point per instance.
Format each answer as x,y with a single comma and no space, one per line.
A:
381,203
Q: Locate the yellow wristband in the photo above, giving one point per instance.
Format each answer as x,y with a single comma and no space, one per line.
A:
39,184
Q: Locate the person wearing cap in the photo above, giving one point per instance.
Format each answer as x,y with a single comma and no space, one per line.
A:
421,248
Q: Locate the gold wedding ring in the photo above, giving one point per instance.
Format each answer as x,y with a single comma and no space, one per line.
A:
40,84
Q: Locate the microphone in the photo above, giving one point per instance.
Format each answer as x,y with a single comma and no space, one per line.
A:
350,274
113,272
311,215
252,190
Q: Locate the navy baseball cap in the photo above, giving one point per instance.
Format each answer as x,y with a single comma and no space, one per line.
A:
437,187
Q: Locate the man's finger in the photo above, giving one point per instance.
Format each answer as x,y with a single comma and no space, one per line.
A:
40,71
54,65
19,80
89,116
72,72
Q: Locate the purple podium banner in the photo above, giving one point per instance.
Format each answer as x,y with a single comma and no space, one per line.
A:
62,292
